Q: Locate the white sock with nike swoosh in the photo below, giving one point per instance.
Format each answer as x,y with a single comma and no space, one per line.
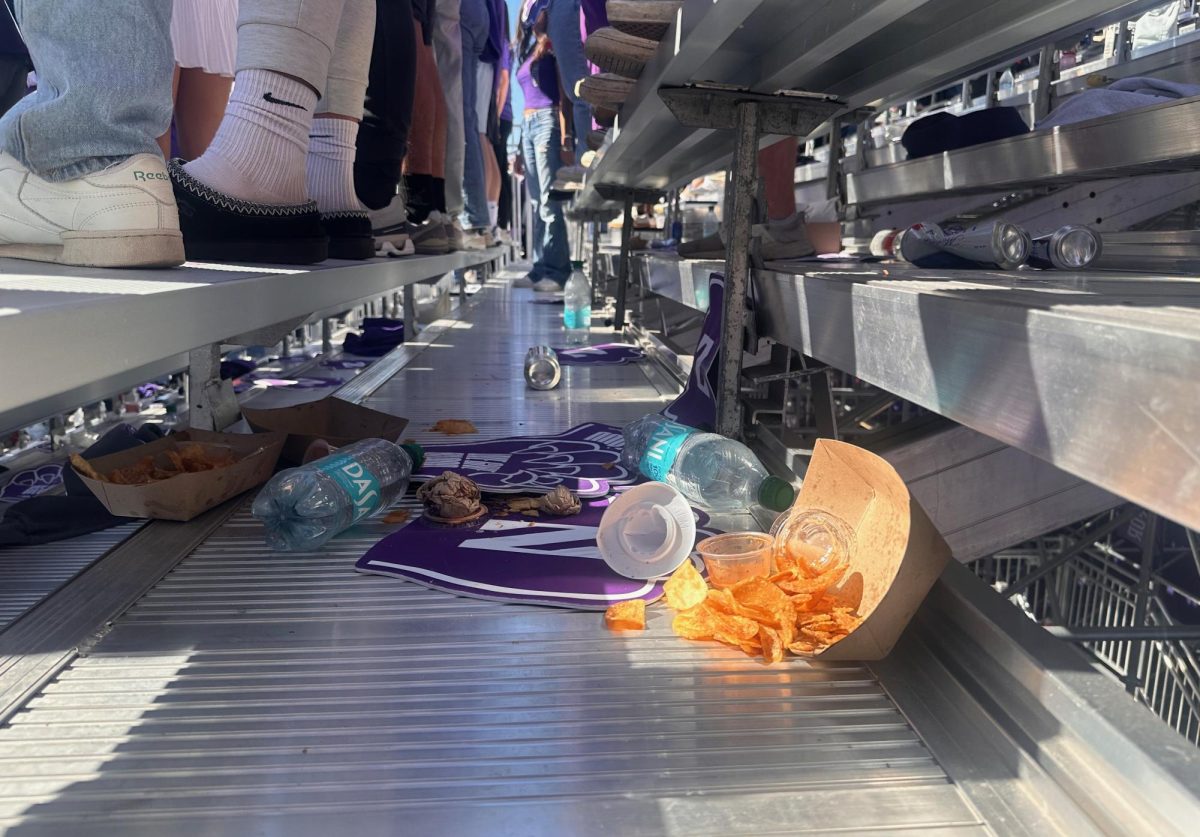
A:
259,151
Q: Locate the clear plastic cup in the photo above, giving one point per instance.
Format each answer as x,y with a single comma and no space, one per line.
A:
735,556
816,538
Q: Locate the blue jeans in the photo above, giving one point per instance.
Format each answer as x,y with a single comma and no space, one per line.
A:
562,25
540,144
104,84
474,25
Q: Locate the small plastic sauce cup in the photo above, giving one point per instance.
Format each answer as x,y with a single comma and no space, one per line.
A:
735,556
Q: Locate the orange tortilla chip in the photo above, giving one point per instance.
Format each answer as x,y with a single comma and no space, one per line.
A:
772,645
694,623
686,588
454,427
626,616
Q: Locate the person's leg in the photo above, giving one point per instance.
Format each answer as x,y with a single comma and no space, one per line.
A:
533,188
246,197
258,154
385,133
199,108
474,28
504,198
164,141
447,48
562,21
82,180
491,170
556,258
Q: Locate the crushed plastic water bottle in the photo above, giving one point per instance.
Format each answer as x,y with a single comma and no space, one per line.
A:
713,472
302,508
577,306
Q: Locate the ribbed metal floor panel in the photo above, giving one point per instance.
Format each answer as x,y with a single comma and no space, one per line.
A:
251,693
29,574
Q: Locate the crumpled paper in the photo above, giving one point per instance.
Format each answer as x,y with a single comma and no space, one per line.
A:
450,496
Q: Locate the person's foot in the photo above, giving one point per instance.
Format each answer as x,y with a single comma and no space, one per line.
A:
547,286
454,231
525,281
349,234
390,223
476,240
595,139
605,89
392,251
786,239
122,216
617,52
709,247
430,238
218,227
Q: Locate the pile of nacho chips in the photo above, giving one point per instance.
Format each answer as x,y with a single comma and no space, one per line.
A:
182,459
792,610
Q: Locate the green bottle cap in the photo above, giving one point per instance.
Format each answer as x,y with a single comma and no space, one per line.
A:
776,494
416,453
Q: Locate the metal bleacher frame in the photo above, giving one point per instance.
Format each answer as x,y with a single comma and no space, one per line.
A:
1091,376
128,327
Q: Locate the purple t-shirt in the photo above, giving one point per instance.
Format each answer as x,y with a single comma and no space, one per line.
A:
536,95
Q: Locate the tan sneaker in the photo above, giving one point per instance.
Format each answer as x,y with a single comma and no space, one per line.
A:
605,89
123,216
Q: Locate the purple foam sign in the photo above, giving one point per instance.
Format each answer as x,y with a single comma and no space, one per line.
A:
607,354
586,459
306,382
696,406
545,560
32,482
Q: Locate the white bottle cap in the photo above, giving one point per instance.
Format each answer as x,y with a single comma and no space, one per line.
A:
647,532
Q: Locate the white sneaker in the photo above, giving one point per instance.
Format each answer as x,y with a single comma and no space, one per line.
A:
522,282
547,286
123,216
386,248
390,223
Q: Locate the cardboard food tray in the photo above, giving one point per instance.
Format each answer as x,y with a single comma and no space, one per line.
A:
898,553
336,421
187,495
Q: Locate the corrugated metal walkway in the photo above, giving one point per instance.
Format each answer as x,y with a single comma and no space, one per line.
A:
250,693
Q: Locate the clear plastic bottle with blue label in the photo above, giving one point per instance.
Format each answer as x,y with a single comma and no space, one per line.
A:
577,306
302,508
712,472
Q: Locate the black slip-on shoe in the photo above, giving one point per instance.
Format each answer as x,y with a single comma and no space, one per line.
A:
349,234
220,228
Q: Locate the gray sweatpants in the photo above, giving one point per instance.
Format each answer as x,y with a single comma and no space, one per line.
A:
447,51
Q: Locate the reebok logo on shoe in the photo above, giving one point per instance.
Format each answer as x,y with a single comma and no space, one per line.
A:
268,97
144,176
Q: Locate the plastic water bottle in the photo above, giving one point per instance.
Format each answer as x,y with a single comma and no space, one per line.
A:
577,306
711,471
302,508
712,225
1007,85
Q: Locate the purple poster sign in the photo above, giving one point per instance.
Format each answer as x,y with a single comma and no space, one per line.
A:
696,406
545,560
32,482
608,354
306,382
586,459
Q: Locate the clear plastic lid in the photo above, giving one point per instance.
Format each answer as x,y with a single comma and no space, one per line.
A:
647,532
